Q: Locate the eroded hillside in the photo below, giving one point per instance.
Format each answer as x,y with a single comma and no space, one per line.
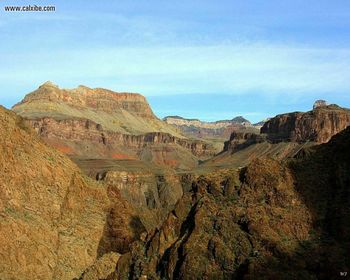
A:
270,221
282,137
99,123
54,221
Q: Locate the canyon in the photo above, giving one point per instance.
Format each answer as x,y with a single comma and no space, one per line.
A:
95,186
271,220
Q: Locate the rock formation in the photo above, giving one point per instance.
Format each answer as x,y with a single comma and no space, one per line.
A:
206,130
52,218
283,136
105,124
152,195
81,137
318,125
179,121
319,103
271,220
51,101
239,141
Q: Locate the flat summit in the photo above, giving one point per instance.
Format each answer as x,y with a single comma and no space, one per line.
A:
127,113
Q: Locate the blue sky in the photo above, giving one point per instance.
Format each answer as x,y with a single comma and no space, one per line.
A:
198,59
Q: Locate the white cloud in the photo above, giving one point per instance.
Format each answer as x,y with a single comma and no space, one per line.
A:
172,70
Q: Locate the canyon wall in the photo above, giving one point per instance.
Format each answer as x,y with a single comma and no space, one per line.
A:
318,125
99,123
52,217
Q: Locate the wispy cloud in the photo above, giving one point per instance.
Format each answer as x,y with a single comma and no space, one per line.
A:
230,69
284,50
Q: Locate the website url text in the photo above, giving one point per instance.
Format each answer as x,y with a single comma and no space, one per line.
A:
30,8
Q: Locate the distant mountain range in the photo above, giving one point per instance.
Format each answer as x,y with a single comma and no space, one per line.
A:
178,119
210,130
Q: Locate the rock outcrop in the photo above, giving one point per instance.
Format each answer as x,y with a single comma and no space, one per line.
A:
271,221
98,99
283,136
99,123
240,140
179,121
75,131
152,195
319,103
201,129
52,218
318,125
223,229
102,268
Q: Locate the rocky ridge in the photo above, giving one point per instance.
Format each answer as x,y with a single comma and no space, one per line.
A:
207,130
283,136
318,125
179,121
240,140
271,220
105,124
54,221
69,134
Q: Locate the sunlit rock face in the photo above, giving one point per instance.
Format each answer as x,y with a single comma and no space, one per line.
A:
99,123
318,125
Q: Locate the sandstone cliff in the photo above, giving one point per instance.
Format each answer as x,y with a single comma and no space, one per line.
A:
122,112
208,130
239,141
86,139
179,121
318,125
283,136
98,123
52,218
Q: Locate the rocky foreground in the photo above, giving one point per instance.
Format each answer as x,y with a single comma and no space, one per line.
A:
284,214
54,221
269,221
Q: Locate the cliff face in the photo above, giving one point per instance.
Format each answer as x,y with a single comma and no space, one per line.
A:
200,129
127,113
52,218
318,125
283,136
179,121
224,229
83,97
98,123
85,138
152,195
239,140
272,220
